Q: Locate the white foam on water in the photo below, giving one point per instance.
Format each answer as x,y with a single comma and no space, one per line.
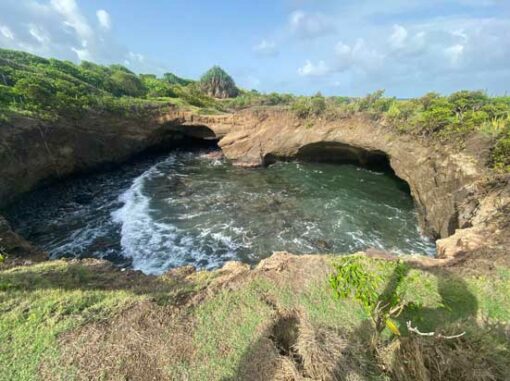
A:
155,246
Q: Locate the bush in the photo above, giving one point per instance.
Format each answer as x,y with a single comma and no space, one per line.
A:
302,107
127,84
318,104
501,153
157,87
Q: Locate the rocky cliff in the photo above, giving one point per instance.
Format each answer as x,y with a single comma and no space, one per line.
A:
458,199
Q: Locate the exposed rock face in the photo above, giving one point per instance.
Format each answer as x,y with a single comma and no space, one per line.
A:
17,247
440,181
449,187
32,152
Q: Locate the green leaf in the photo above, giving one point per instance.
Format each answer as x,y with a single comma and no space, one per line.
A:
392,326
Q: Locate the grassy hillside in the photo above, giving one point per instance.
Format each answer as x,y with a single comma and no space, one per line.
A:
85,320
50,87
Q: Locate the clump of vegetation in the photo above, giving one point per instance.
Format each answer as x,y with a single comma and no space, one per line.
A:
50,88
218,84
501,153
451,343
253,98
305,107
352,279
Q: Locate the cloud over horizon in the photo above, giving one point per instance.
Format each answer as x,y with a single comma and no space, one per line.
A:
59,28
350,47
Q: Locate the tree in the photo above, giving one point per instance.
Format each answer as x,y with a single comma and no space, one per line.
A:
218,84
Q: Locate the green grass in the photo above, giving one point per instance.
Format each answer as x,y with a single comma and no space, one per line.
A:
40,302
31,320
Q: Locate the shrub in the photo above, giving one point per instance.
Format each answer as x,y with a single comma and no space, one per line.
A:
318,104
501,153
352,280
157,87
127,84
302,107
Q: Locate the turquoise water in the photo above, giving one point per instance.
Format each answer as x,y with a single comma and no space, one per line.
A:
189,208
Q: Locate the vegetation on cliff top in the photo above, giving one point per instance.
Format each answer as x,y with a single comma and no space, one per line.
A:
446,118
49,88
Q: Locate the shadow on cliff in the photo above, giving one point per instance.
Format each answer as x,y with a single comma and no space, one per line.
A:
293,349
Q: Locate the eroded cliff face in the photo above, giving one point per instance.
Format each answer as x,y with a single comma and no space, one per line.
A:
456,201
440,181
450,186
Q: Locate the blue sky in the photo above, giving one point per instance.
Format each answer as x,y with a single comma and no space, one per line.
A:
350,47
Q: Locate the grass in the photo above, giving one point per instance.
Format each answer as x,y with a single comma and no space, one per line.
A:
232,330
31,320
40,302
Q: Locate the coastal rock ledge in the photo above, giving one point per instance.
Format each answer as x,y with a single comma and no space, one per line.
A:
460,202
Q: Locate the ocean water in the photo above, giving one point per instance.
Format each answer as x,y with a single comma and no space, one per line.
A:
193,208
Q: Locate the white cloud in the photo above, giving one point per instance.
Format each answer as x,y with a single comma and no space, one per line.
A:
309,25
59,28
359,56
104,19
310,69
39,34
266,48
454,53
398,37
83,54
73,17
6,32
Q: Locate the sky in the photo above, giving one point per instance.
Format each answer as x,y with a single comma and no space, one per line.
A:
342,47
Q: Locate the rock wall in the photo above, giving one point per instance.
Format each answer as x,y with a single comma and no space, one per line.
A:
441,181
33,152
449,186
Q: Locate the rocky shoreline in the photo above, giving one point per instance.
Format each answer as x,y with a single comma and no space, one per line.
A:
459,200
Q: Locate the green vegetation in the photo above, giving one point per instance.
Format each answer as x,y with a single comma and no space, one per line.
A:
49,88
305,107
41,302
253,98
218,84
462,317
446,118
231,332
353,280
32,314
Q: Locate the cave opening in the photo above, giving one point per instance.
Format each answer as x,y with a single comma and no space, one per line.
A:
341,154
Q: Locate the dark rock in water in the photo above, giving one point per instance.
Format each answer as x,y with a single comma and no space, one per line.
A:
322,244
17,249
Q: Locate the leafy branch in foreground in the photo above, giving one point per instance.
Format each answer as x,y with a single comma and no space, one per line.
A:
352,280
